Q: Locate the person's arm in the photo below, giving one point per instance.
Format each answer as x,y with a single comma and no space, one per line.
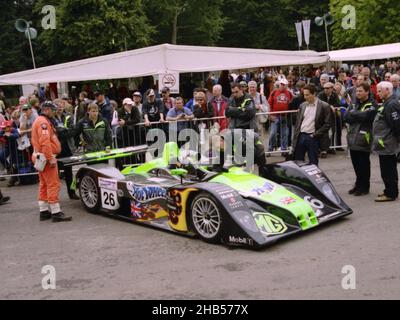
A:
327,122
170,116
107,135
392,116
249,112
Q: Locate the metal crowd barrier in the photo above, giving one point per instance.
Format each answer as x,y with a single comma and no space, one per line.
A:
276,134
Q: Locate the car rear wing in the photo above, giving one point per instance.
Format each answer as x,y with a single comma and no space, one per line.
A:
100,156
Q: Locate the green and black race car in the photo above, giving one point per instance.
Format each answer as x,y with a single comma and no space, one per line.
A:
231,206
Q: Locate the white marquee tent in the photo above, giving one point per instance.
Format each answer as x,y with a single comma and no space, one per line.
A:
161,59
384,51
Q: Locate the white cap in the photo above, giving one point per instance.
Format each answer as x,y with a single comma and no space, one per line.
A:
284,81
137,94
151,93
128,101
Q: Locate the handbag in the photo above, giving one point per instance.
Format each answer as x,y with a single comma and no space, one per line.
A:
23,143
262,118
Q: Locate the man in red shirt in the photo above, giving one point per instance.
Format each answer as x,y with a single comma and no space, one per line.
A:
219,104
279,101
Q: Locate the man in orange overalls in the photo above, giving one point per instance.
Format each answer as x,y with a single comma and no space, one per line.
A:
45,141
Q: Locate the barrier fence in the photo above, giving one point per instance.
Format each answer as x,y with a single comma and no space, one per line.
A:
275,129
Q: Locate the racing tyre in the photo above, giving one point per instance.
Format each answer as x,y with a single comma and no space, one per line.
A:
90,193
206,218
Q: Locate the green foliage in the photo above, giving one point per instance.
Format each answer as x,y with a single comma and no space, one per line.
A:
377,23
88,28
270,24
199,22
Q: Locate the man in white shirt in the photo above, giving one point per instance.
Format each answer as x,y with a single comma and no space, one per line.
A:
312,124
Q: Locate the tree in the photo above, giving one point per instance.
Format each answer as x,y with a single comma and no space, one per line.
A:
15,53
377,22
194,22
270,24
88,28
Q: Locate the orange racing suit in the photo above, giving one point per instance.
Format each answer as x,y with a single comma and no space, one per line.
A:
45,141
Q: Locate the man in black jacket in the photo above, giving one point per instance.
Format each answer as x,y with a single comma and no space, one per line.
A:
129,116
360,117
313,123
331,98
241,111
386,141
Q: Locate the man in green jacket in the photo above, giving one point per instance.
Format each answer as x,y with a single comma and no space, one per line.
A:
95,130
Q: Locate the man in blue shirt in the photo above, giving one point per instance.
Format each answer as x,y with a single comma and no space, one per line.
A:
180,115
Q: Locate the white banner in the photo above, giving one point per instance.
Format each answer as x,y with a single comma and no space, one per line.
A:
299,33
307,28
169,80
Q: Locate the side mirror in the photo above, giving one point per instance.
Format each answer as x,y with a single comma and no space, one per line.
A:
179,172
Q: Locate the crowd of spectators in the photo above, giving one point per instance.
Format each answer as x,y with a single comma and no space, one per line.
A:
106,122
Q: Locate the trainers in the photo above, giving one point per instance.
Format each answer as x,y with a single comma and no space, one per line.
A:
3,200
384,198
60,217
324,155
13,181
45,215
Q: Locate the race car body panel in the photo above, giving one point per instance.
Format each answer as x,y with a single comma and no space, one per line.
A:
254,212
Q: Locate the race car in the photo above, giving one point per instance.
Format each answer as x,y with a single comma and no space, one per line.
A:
230,206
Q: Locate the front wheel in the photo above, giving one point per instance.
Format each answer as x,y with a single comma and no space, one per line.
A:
206,218
90,193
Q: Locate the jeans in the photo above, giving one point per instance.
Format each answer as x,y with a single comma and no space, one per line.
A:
309,145
281,123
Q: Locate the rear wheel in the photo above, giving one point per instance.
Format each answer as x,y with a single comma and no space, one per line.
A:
206,218
90,193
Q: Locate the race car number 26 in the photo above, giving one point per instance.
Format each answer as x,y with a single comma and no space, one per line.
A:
109,199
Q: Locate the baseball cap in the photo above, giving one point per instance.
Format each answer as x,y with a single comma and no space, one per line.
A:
151,93
49,104
128,101
243,83
6,124
137,94
284,81
26,107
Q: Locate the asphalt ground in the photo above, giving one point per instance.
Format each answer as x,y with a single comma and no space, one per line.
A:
96,257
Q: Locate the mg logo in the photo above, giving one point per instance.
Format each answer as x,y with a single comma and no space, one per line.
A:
269,224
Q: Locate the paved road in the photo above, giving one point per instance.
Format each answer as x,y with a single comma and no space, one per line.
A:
102,258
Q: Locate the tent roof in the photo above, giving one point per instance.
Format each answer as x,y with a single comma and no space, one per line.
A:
159,59
384,51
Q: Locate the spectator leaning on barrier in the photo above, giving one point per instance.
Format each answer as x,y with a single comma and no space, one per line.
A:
386,141
241,111
168,101
219,104
105,107
262,107
137,103
28,117
153,109
279,101
129,117
178,114
8,137
313,122
360,117
95,130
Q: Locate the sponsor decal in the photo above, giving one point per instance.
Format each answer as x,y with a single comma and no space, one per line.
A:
288,200
108,184
235,203
144,194
268,224
267,188
239,240
227,196
314,171
316,204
